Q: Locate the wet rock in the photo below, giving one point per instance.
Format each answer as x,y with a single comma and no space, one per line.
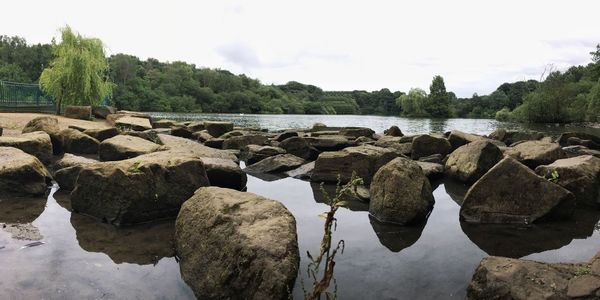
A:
393,131
145,188
127,122
507,278
256,153
240,240
217,129
302,172
458,138
224,173
78,112
103,111
536,153
37,143
330,142
469,162
284,135
48,125
75,141
163,123
563,140
400,193
124,146
397,237
182,131
276,164
193,148
580,175
300,147
512,193
239,142
431,170
22,173
365,160
512,136
425,145
122,244
102,134
356,132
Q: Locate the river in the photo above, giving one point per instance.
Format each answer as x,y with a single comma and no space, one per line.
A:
81,258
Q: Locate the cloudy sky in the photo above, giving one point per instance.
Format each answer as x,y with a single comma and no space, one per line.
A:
337,45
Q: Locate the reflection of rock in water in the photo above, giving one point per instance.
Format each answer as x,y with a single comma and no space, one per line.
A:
517,241
397,237
350,202
63,198
456,190
269,177
141,244
17,213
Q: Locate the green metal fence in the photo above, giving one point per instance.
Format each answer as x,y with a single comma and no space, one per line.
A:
16,96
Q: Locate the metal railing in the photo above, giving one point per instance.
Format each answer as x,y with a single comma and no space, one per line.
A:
16,96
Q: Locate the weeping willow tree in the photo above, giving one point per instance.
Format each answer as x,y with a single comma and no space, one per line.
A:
77,73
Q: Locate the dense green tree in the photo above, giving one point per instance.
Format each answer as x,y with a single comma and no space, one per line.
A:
76,75
438,100
413,104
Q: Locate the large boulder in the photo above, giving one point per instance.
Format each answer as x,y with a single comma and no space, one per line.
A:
535,153
469,162
124,146
588,139
194,148
68,168
78,112
224,173
431,170
239,142
580,175
396,143
458,138
426,145
74,141
37,143
510,192
22,173
48,125
393,131
365,160
145,188
300,147
400,193
508,278
276,164
330,142
256,153
102,134
236,245
218,129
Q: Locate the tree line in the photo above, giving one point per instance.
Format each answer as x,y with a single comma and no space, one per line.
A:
152,85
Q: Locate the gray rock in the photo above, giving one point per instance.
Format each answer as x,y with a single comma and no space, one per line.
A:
237,240
425,145
302,172
535,153
470,161
400,193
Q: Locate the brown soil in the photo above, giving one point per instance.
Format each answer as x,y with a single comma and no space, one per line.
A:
13,123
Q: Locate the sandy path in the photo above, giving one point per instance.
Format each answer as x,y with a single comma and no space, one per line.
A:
13,123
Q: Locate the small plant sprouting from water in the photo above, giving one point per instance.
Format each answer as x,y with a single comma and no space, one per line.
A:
327,255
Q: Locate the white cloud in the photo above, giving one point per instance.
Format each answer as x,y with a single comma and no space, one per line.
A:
338,45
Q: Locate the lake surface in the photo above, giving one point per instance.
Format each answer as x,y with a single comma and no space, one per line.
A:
81,258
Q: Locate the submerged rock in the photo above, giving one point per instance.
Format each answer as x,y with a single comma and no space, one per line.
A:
276,164
469,162
22,173
535,153
241,241
365,160
507,278
124,146
400,193
425,145
140,189
37,143
580,175
512,193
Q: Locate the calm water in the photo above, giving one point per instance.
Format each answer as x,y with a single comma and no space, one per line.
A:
84,259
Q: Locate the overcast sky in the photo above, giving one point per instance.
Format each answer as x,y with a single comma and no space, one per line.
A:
337,45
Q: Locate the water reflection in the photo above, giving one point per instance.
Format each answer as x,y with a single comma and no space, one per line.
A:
349,201
438,125
397,237
519,241
17,215
144,244
456,190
